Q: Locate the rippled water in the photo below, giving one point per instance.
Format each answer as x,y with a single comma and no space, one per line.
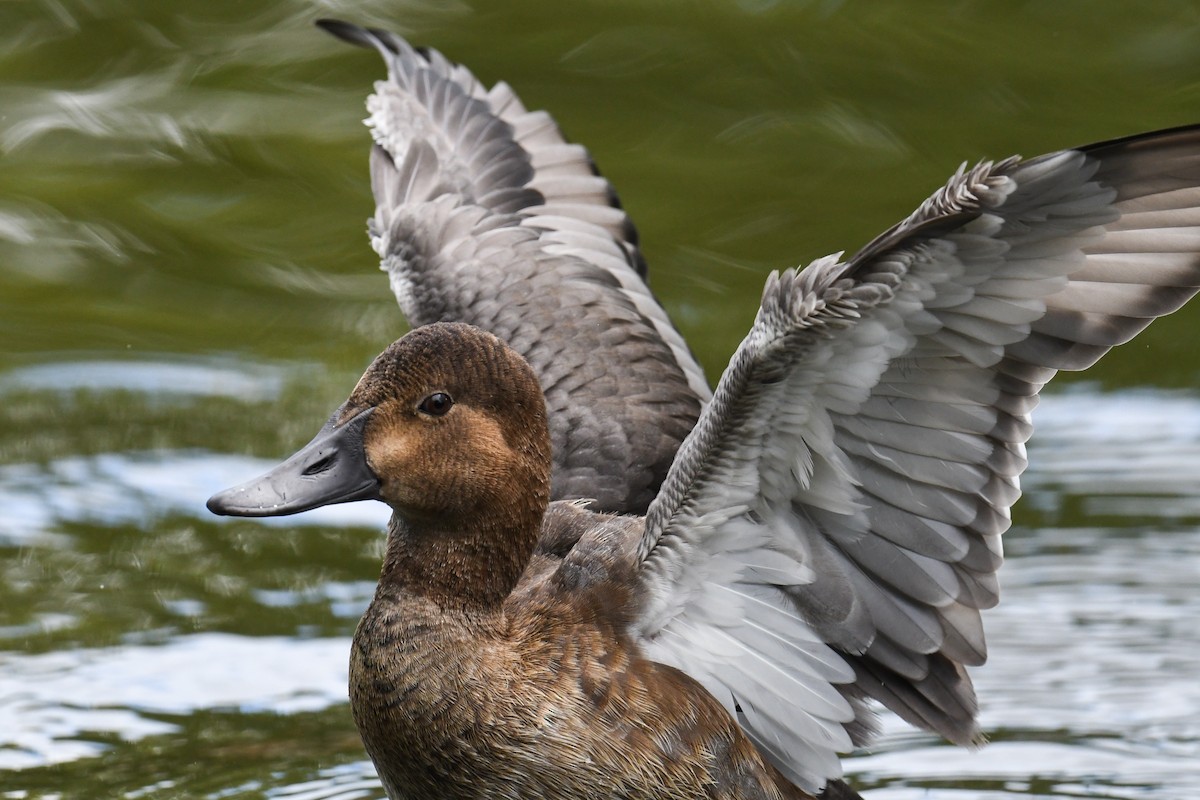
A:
186,291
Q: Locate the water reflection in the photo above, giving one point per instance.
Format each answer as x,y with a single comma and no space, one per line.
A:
136,489
159,380
52,703
346,782
1145,468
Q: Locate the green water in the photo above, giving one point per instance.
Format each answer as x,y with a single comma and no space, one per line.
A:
186,291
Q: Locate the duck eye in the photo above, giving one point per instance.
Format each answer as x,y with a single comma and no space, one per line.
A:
436,405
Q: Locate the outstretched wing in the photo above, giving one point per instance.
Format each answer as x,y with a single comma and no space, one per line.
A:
831,528
486,215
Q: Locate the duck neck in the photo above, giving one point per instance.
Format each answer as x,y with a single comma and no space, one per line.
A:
470,568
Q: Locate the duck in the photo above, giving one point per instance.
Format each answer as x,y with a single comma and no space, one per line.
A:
602,579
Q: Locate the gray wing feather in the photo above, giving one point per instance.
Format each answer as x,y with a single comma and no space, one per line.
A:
871,428
485,214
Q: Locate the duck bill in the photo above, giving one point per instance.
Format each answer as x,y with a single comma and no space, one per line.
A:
332,468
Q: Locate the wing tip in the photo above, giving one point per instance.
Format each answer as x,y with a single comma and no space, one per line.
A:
346,31
385,42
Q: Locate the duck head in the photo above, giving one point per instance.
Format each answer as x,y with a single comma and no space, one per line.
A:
447,426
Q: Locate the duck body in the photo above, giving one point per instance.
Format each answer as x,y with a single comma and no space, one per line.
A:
544,694
819,533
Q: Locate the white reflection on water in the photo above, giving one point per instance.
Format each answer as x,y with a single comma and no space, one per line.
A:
49,699
1129,453
136,489
1043,769
156,379
343,782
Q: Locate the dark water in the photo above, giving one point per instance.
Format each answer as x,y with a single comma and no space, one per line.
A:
186,291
